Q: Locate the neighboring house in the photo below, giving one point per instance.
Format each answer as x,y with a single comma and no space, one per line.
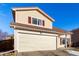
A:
75,38
33,31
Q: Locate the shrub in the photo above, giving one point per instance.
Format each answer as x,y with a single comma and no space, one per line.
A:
6,45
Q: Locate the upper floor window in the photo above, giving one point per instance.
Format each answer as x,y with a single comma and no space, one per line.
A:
36,21
41,22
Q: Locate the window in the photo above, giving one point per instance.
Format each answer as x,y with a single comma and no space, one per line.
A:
34,21
62,41
39,22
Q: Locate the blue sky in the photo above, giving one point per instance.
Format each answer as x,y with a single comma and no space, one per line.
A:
66,15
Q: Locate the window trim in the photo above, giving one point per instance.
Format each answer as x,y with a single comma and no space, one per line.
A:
29,20
43,23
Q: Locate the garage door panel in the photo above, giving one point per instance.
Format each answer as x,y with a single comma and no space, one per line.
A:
28,42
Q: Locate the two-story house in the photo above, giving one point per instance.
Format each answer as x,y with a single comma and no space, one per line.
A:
33,31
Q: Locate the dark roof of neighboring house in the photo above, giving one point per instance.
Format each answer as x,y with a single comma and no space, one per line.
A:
75,30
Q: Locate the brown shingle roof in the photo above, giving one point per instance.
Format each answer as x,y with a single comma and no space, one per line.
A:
36,28
58,30
31,27
61,31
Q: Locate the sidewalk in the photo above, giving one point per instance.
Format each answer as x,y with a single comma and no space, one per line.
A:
73,53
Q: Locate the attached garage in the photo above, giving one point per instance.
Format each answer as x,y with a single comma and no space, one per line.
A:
34,41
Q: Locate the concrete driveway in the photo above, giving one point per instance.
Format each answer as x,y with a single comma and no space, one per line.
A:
45,53
58,52
73,53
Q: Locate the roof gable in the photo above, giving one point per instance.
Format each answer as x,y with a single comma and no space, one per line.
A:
32,9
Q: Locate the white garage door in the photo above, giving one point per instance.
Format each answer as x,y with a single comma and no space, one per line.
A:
33,42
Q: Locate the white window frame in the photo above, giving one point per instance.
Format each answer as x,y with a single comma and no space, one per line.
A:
34,23
37,21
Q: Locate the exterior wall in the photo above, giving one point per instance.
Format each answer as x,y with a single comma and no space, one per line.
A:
58,43
63,36
68,36
29,42
22,17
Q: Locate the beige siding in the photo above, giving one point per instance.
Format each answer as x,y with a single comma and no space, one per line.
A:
22,17
68,36
58,43
58,40
30,42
